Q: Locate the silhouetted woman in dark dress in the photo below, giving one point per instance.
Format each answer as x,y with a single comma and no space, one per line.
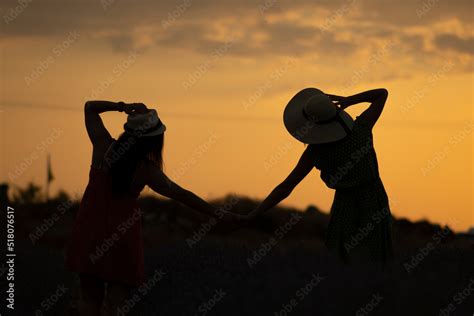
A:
342,149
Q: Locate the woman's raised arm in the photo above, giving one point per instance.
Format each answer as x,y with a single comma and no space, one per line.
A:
96,130
377,98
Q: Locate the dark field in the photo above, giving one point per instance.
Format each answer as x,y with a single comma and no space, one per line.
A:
237,271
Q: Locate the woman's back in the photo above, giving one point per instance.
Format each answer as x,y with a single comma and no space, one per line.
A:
107,236
360,224
349,162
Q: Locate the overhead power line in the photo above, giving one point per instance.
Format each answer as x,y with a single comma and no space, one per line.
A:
451,124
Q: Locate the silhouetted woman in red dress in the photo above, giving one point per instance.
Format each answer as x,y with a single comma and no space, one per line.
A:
106,248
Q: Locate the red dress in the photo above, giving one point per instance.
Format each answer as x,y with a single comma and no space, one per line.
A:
107,239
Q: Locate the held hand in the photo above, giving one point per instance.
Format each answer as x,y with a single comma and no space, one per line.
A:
340,101
234,216
132,108
253,214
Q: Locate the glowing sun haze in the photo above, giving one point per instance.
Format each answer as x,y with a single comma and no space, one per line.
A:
220,74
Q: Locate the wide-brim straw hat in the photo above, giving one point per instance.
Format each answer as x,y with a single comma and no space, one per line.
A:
144,124
312,118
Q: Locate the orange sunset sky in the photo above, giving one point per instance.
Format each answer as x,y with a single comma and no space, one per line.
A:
220,74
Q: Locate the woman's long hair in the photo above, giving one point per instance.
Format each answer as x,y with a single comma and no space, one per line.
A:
127,152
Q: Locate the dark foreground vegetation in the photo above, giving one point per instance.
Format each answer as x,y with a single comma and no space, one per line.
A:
276,265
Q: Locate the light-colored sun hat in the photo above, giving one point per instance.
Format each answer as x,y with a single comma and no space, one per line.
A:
312,118
144,124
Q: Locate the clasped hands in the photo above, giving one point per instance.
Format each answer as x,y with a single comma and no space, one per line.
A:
235,217
339,101
134,108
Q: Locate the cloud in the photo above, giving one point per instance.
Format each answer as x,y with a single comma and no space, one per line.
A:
280,39
50,17
257,29
408,13
456,43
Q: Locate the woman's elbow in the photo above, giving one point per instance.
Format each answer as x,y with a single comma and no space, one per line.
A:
87,106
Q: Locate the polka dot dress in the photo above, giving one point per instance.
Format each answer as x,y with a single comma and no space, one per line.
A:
360,223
